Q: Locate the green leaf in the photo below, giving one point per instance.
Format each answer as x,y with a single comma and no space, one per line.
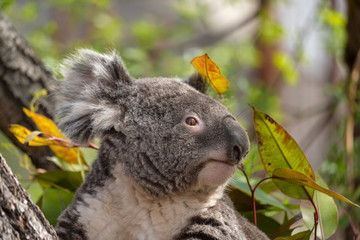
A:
60,179
259,194
54,202
266,224
299,236
301,179
285,227
67,166
328,217
35,191
278,149
268,186
241,200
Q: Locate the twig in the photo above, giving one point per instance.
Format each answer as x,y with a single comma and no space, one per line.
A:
241,168
69,143
316,214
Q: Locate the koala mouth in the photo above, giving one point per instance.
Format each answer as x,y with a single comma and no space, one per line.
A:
231,159
227,162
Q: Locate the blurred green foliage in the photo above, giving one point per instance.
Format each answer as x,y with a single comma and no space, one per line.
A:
286,66
270,30
334,26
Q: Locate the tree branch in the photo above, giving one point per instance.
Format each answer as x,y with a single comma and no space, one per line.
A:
20,218
22,73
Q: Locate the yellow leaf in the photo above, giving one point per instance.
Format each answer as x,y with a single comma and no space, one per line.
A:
210,71
22,133
46,125
296,177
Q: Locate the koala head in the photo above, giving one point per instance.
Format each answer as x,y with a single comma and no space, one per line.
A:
166,135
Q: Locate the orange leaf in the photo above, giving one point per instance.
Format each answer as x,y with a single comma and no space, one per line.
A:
46,125
210,71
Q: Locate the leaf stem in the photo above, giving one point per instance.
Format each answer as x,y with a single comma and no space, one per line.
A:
91,145
69,143
261,181
241,168
316,214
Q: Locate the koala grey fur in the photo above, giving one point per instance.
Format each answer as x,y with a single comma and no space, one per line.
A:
166,156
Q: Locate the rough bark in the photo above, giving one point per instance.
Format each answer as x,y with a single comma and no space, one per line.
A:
21,73
20,218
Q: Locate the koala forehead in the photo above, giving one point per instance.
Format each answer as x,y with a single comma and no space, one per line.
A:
173,98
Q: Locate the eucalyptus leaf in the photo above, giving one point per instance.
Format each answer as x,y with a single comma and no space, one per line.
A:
328,212
299,236
35,190
293,176
54,202
259,194
278,149
60,179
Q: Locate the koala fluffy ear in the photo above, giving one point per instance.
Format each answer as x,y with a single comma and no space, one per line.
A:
197,82
86,99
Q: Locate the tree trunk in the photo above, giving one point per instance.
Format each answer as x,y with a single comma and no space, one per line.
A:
20,218
22,73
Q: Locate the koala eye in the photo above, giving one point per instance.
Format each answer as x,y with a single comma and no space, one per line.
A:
191,121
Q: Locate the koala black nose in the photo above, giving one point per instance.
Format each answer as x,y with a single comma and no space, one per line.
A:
240,146
237,153
238,141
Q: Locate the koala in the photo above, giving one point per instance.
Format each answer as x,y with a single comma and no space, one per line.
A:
167,153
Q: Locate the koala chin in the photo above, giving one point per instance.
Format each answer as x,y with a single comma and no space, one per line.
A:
215,173
167,153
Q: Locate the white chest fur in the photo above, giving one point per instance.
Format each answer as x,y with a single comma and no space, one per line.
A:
122,210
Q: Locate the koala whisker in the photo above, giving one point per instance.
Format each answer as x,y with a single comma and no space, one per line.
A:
241,113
